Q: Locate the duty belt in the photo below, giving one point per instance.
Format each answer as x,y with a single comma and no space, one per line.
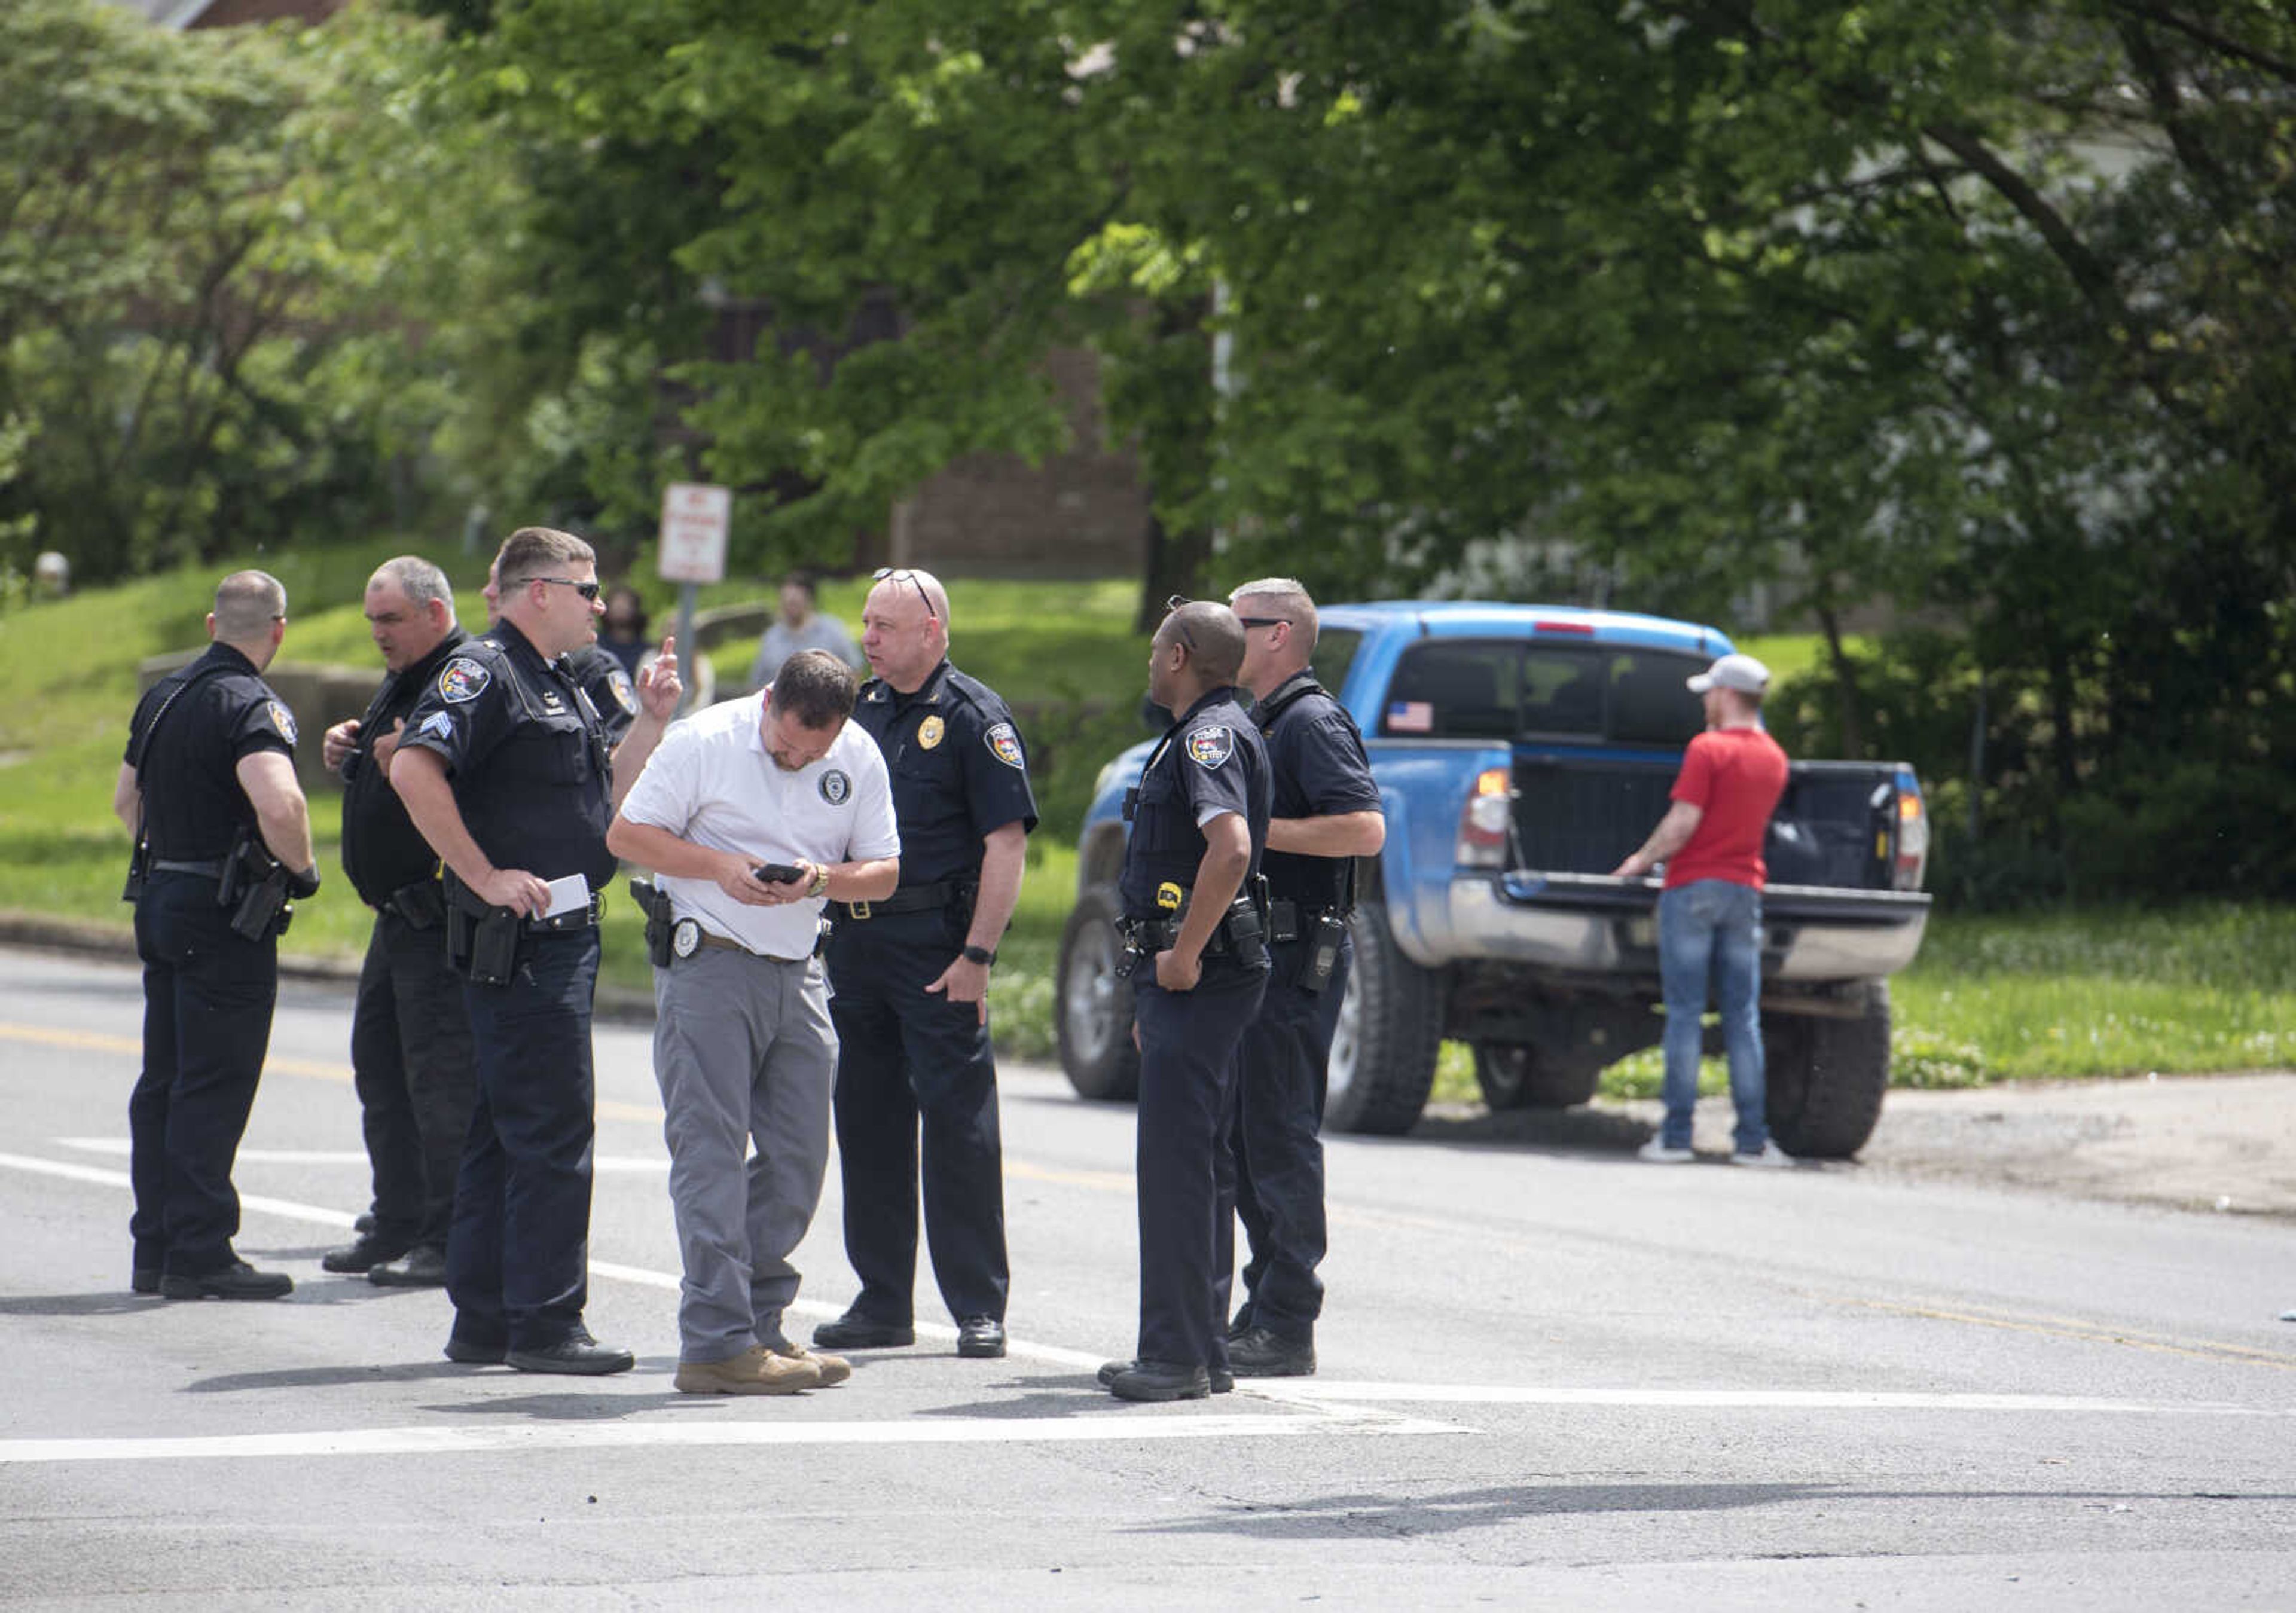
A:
209,870
1291,921
1161,935
909,899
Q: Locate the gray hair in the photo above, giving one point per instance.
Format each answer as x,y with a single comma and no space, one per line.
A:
417,579
1287,597
246,604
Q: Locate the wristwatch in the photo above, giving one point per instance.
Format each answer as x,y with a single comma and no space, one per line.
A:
820,882
977,954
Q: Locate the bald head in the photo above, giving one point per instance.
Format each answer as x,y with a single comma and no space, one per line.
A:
905,626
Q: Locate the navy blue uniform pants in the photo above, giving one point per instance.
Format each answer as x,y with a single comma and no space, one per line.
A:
413,1066
1276,1124
1185,1173
518,1250
208,997
917,1097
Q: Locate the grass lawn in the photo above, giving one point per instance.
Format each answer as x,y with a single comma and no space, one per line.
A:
2066,994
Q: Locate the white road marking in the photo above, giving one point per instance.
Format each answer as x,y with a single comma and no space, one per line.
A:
1307,1392
1121,1424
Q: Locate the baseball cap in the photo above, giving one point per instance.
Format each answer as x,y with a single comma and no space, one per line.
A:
1742,672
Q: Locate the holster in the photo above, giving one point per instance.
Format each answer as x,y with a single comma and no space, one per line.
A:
655,904
482,941
254,887
422,905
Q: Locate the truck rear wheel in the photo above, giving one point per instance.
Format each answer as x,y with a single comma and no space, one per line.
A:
1514,1077
1826,1077
1390,1029
1092,1009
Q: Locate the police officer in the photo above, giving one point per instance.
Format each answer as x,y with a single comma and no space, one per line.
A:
1195,933
504,767
1325,814
597,671
208,789
411,1059
916,1080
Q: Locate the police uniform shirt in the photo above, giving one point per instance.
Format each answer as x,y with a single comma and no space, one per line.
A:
606,681
957,768
526,755
1210,762
382,851
1320,771
712,782
187,767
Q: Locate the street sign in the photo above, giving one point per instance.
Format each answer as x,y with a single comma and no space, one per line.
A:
694,519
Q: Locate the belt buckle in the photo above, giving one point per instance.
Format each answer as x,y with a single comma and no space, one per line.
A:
859,910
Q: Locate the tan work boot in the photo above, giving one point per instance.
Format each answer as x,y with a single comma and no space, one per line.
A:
834,1369
753,1371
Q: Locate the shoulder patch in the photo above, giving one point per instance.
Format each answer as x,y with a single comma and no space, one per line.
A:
619,681
283,720
1211,745
462,679
1003,742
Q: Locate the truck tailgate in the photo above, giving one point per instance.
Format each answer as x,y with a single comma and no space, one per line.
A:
1595,922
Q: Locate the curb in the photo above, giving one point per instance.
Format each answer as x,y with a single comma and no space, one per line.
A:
17,928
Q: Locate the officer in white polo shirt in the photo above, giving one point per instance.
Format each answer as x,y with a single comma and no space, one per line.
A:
753,811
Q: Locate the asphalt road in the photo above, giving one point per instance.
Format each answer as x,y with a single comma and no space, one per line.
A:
1550,1376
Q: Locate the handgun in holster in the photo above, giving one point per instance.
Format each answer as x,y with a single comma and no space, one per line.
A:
1245,926
254,887
481,940
655,904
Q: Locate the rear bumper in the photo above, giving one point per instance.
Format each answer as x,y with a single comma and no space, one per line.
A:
1595,925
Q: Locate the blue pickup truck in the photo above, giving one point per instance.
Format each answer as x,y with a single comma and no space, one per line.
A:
1521,752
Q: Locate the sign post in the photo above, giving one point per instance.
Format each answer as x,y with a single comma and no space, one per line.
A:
695,519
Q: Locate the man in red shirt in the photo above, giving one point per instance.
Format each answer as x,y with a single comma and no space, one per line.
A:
1709,914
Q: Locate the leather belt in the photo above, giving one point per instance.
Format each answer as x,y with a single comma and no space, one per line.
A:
208,871
726,943
909,899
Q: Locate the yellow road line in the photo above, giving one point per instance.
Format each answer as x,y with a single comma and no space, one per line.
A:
310,1070
2068,1327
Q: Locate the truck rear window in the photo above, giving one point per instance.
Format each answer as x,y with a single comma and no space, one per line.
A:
1473,689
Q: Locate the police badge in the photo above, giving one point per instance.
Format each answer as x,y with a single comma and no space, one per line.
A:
928,732
835,787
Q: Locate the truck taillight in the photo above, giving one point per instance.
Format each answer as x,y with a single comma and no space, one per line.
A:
1483,820
1913,837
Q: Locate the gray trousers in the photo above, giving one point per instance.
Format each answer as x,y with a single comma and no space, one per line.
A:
744,1052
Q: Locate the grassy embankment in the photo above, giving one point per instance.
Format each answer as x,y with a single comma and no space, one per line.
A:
2068,993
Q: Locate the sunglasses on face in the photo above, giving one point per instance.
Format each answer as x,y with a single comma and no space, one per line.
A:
588,590
906,574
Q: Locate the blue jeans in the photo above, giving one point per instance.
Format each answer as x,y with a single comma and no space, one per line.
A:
1712,927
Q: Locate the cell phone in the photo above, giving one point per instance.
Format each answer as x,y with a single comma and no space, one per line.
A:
777,874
